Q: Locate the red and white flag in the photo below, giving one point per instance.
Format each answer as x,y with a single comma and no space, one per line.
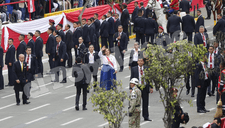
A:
31,7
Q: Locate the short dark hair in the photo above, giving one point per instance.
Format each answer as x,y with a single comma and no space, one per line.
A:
78,22
78,60
56,31
136,2
51,29
11,39
31,34
124,5
141,3
96,14
105,16
110,12
150,15
84,19
68,25
60,25
218,120
58,36
92,18
116,14
139,12
22,35
175,12
39,32
28,47
120,26
199,10
220,14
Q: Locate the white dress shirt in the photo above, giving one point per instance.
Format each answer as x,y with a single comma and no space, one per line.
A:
139,71
216,50
29,63
37,37
106,62
91,57
135,55
212,60
206,77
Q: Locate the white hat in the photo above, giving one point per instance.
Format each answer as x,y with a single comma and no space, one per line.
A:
134,81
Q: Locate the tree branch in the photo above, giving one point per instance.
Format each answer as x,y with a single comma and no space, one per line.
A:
81,14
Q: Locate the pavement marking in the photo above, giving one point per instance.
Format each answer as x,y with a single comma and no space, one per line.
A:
6,118
42,95
126,67
144,123
7,106
39,107
211,109
70,97
36,120
45,84
103,124
69,86
70,108
126,57
127,76
71,121
8,95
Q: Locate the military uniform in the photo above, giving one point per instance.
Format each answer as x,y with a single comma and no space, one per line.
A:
134,108
163,40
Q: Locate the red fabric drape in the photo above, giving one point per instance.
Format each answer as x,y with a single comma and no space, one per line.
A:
195,2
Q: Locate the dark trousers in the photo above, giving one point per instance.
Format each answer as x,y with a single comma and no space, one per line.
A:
122,57
187,80
133,64
208,11
79,87
201,95
125,29
104,42
39,65
98,48
17,94
86,44
214,80
51,62
1,79
60,66
189,36
139,37
110,39
75,49
10,76
70,60
148,36
145,100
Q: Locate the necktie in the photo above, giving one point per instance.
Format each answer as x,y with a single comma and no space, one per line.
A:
119,40
203,37
28,57
21,66
141,71
210,61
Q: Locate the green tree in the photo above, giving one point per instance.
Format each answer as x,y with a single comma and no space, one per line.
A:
167,70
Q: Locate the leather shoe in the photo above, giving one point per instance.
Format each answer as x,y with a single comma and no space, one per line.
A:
121,70
147,119
26,103
188,91
64,81
206,110
84,108
201,111
77,108
8,85
17,104
209,94
213,94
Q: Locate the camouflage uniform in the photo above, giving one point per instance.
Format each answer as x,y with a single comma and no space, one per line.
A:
134,108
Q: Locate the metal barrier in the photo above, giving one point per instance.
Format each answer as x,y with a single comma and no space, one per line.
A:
60,12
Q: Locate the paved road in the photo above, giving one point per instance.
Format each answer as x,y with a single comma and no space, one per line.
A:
54,106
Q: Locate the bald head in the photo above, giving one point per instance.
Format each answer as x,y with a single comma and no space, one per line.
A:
21,58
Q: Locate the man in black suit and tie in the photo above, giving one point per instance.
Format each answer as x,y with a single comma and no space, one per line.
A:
200,21
117,22
220,25
76,34
60,58
81,50
185,6
1,67
120,38
69,45
39,52
61,32
21,49
188,25
31,42
201,37
50,48
125,19
104,31
97,27
96,42
173,26
85,34
143,10
21,78
139,28
138,72
9,61
91,29
135,12
150,28
111,30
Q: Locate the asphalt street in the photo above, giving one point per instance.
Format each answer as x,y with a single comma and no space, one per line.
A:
52,104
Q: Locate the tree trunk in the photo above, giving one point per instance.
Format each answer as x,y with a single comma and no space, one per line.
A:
80,16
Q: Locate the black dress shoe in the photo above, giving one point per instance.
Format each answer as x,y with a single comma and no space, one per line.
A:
77,108
8,85
188,91
121,70
201,111
64,81
147,119
206,110
17,104
213,94
209,94
26,103
84,108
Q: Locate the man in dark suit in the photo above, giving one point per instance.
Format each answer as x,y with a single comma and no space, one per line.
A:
143,10
200,21
76,34
201,37
150,28
85,33
97,27
104,31
138,72
9,61
173,26
139,28
61,32
208,7
188,25
117,22
50,48
39,53
185,6
96,42
135,12
69,45
81,50
60,58
21,78
21,49
31,42
111,30
91,29
125,19
149,10
120,38
1,67
31,61
220,25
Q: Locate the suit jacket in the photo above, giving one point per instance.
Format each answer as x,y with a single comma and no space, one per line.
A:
200,22
131,56
185,6
135,74
68,39
50,45
116,24
111,26
81,70
32,46
104,29
33,66
217,62
139,25
1,57
97,27
20,75
188,23
135,13
173,24
223,17
92,34
76,34
39,47
148,10
150,26
21,49
85,34
143,9
125,17
62,34
123,40
87,57
220,26
199,75
62,51
10,55
82,50
198,39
